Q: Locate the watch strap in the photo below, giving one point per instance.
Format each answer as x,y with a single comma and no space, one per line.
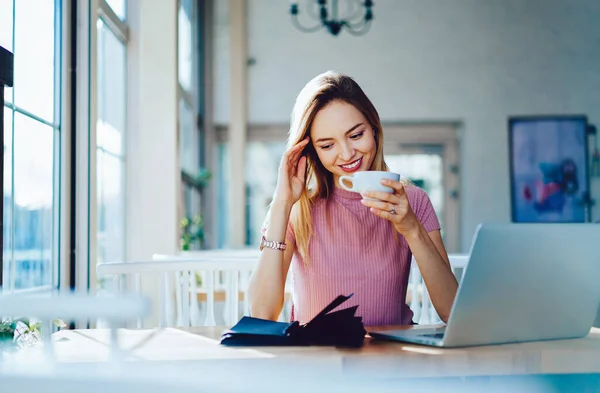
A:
272,244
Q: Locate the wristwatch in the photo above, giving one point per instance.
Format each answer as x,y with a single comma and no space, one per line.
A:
271,244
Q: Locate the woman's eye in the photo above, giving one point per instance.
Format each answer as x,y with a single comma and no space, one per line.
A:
357,135
326,147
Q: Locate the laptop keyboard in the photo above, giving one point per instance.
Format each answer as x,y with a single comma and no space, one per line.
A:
433,335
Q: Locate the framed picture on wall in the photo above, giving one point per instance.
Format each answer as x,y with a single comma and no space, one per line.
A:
548,168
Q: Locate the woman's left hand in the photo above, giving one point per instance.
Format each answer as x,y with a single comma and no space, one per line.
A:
393,207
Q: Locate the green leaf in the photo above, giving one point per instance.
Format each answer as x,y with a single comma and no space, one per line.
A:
33,328
6,326
185,222
198,220
6,336
59,323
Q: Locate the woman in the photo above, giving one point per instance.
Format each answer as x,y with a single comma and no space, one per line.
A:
338,242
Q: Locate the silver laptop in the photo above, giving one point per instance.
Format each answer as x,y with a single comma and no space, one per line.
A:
523,282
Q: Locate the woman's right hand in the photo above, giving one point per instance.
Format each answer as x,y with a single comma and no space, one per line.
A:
292,174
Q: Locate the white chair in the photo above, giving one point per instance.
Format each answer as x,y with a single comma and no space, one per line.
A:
74,307
224,276
216,286
420,303
183,310
227,286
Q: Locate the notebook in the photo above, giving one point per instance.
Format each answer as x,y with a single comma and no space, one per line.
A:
340,328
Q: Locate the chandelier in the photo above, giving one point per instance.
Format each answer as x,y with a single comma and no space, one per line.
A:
357,21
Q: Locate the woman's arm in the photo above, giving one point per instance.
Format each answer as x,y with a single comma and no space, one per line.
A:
267,282
427,248
432,259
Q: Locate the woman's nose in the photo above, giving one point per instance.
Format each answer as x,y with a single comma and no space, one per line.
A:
346,153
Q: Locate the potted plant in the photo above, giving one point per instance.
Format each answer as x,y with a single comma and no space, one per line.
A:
21,332
192,232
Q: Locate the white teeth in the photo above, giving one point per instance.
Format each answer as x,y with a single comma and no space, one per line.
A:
352,166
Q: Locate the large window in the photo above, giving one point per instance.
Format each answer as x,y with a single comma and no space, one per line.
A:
193,177
32,135
110,131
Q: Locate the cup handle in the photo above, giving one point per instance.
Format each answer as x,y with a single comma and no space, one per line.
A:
344,186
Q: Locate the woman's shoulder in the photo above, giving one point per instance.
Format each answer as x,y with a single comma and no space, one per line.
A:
422,206
417,197
415,191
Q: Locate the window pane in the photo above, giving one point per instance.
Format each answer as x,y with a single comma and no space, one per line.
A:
119,7
6,24
6,34
188,140
8,91
185,43
33,198
34,62
426,171
110,194
263,158
111,91
7,219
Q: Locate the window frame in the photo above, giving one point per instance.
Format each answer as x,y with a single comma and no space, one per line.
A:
84,210
120,29
115,26
57,126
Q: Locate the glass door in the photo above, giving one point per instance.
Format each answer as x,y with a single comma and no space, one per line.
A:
429,160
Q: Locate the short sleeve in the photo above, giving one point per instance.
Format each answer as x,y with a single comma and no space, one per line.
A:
421,205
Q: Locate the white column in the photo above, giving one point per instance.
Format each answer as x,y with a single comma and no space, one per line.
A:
237,127
153,174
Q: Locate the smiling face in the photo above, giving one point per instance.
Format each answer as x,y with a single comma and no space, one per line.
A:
343,139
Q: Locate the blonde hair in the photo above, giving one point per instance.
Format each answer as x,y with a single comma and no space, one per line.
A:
316,95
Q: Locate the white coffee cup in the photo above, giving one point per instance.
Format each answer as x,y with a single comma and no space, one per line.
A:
368,181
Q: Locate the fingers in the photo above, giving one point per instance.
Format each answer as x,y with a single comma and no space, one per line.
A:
292,155
298,147
396,185
397,197
383,214
379,205
301,172
383,196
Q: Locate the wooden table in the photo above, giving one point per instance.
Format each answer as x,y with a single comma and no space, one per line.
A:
377,360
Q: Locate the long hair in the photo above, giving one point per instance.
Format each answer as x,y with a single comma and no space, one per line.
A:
316,95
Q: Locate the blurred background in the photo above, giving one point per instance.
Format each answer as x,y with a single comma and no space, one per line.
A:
138,127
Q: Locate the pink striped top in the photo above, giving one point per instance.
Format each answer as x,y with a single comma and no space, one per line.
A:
360,255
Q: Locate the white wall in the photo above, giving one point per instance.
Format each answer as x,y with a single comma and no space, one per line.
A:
426,60
152,161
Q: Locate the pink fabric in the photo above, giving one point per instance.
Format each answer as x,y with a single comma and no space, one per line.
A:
360,255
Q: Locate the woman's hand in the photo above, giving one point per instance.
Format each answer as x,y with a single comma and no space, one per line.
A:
393,207
292,174
427,247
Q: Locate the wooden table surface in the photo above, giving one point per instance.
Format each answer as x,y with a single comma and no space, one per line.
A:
376,359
